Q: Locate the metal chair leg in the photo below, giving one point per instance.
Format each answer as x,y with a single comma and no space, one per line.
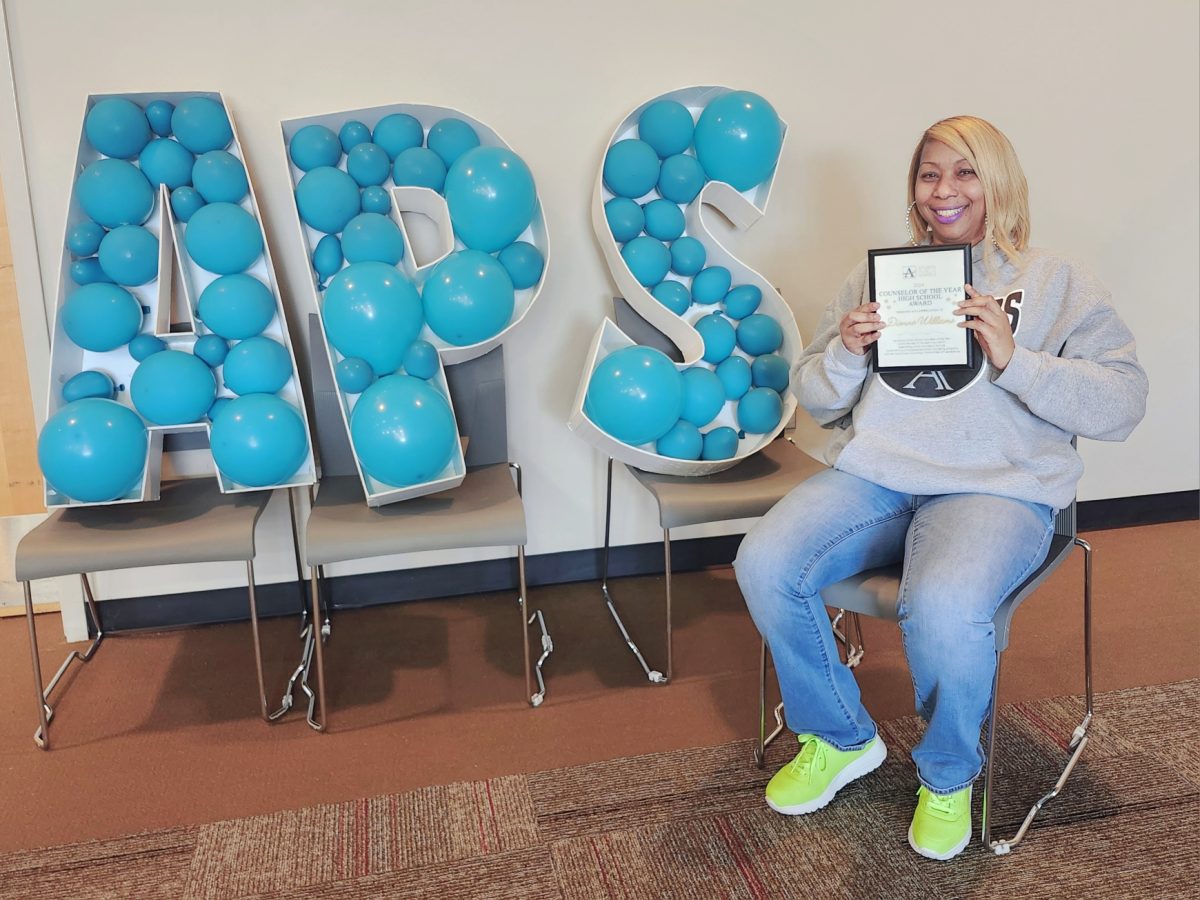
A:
653,675
764,739
262,689
318,652
308,633
1079,737
41,737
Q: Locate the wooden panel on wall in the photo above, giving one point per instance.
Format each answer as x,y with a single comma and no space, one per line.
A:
20,479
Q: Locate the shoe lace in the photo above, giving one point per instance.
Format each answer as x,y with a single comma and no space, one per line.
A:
943,805
812,752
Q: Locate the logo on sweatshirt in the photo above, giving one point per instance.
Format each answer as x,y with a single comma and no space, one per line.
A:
938,384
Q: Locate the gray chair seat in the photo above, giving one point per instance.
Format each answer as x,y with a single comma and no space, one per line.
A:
747,490
192,522
484,511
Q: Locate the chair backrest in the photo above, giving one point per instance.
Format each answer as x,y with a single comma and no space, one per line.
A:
632,323
476,390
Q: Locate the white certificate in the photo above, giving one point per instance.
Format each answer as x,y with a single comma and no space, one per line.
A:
918,289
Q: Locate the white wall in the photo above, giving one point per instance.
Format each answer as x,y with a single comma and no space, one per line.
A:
1099,98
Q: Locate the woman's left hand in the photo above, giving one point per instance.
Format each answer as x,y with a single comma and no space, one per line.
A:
991,326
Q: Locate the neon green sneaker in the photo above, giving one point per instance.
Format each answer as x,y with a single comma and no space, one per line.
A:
941,826
818,772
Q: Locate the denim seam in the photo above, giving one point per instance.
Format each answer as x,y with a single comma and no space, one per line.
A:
808,610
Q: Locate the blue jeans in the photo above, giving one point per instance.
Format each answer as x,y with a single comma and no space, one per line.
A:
962,554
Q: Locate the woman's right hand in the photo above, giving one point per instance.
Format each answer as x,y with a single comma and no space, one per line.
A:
860,328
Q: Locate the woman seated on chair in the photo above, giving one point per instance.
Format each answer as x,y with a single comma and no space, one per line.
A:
959,481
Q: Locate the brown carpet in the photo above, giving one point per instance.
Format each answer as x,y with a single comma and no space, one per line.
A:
691,823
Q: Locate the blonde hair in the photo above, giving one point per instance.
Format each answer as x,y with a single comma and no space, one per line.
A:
1005,190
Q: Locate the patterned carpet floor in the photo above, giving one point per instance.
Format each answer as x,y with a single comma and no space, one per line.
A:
691,823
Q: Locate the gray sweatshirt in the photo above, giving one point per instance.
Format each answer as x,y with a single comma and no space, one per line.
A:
1074,372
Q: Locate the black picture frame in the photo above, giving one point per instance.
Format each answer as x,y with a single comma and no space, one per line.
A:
968,336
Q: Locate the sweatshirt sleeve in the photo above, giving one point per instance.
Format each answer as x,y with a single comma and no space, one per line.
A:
1095,387
827,378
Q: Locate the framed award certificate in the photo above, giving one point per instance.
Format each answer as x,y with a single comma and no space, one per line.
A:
918,289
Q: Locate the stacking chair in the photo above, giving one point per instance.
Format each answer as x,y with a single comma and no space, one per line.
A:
191,522
876,593
747,490
486,510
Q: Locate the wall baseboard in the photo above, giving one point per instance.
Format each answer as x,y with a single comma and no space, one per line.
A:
380,588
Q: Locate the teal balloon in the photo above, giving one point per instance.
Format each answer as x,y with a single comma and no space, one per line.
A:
664,220
673,295
328,257
468,298
759,411
630,168
220,177
625,217
635,394
373,312
158,114
172,388
114,192
327,199
491,196
101,317
217,405
720,443
738,138
185,201
164,161
376,199
314,146
371,236
648,260
397,132
129,255
687,256
88,271
368,164
146,345
703,395
84,239
742,300
93,450
236,307
681,178
223,238
711,284
683,441
91,383
117,127
736,377
771,371
759,334
353,375
201,124
524,264
667,126
257,365
718,335
450,139
421,360
211,348
353,133
403,431
419,167
258,440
